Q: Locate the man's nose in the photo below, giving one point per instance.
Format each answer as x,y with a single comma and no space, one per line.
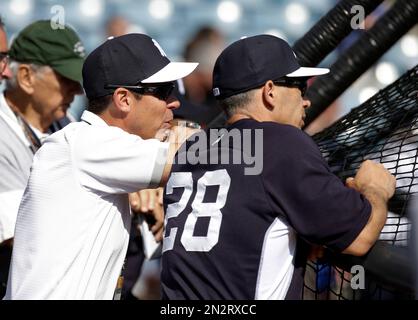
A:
7,73
173,102
71,87
77,88
306,103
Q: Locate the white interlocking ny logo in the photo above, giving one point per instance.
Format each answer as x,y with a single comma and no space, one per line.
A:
159,48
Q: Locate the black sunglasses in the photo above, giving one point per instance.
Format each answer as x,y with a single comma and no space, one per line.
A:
161,91
302,85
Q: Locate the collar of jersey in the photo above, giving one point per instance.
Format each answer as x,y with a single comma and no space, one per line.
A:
93,119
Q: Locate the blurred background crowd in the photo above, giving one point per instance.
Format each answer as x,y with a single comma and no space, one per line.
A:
197,30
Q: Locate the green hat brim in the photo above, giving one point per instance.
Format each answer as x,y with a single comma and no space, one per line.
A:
70,69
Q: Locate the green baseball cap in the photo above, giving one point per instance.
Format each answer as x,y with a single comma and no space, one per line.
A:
56,46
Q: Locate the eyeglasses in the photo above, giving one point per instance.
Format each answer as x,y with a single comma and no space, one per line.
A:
161,91
302,85
4,60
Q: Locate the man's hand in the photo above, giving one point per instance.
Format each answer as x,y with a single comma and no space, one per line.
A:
179,132
372,177
149,202
378,186
176,136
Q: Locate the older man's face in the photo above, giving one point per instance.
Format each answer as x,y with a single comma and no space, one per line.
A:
52,95
4,69
291,107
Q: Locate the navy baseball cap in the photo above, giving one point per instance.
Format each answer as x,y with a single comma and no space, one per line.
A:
248,63
129,60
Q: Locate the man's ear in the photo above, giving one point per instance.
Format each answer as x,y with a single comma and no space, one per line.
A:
26,78
269,92
122,100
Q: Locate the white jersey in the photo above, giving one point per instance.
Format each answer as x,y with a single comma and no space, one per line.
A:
72,228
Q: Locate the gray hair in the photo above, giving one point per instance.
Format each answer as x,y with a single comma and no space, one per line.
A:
238,101
11,83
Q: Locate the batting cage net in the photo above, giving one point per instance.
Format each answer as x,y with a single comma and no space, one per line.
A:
383,129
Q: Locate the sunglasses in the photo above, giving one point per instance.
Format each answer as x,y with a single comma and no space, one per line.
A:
302,85
4,60
161,91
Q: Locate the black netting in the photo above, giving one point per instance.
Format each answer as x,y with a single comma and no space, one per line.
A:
383,129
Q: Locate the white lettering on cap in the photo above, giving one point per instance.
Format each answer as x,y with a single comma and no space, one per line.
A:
159,48
180,85
79,49
216,92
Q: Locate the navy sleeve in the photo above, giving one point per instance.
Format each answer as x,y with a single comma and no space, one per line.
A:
301,187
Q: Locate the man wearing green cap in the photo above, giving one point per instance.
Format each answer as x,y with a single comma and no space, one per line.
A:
45,74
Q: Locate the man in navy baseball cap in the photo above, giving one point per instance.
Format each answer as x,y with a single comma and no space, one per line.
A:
137,63
259,212
250,62
131,61
96,163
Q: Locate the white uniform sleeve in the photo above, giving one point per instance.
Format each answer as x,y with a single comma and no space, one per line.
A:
110,160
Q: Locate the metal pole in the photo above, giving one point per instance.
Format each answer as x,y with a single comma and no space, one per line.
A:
360,56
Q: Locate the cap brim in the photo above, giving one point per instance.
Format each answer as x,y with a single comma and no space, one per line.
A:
307,72
70,69
171,72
